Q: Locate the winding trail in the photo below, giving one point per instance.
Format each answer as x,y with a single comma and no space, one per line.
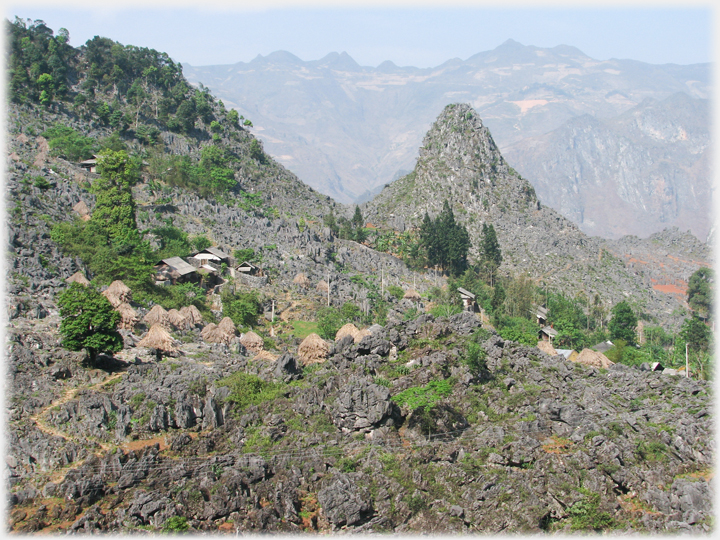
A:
69,395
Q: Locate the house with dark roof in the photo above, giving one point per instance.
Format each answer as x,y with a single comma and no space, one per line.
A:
175,270
468,299
547,333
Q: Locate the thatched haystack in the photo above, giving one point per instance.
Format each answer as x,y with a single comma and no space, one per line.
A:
228,326
265,355
157,315
348,329
178,320
82,210
302,280
208,330
592,358
322,286
117,293
78,277
313,350
412,294
128,316
357,338
546,347
192,313
159,339
252,342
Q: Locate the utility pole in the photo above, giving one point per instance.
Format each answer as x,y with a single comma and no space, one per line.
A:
328,281
687,364
382,281
272,317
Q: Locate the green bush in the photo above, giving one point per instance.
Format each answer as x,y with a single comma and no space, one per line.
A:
243,308
247,389
397,292
424,397
176,524
585,514
474,357
69,144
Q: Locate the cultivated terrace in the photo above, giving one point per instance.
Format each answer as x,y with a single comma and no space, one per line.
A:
199,342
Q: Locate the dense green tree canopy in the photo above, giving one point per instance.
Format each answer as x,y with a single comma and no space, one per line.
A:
623,323
445,242
88,321
700,291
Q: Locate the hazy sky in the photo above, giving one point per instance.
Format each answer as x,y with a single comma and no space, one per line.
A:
218,33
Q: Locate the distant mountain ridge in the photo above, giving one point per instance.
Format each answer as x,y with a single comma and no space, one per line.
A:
346,129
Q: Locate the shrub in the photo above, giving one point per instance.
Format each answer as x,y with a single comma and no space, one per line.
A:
424,397
585,513
397,292
176,524
247,389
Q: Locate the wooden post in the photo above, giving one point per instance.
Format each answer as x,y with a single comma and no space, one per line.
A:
272,317
382,282
328,281
687,364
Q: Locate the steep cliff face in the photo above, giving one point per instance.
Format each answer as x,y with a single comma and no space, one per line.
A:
638,173
460,162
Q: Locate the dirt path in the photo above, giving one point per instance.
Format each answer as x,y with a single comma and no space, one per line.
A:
69,395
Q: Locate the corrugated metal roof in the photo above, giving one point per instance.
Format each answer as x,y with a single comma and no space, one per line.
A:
181,266
465,292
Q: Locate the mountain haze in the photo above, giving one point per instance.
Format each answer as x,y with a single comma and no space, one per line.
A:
346,129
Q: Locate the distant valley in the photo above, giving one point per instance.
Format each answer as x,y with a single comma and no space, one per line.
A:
618,147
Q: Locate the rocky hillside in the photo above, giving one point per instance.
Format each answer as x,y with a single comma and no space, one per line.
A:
394,433
347,129
460,161
637,173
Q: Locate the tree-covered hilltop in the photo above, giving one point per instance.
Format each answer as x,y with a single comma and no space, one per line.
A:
108,95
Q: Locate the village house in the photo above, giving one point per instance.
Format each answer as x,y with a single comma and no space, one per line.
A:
89,165
212,257
175,270
547,333
468,299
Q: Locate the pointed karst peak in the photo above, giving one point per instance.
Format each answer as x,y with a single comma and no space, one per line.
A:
279,57
509,45
459,111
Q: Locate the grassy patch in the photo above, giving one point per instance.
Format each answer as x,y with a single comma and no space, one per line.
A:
302,329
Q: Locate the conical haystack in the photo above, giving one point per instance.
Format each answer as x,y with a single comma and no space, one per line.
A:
217,335
78,277
412,294
128,316
178,320
357,338
348,329
117,293
302,280
228,326
592,358
159,339
265,355
322,286
547,348
83,211
313,350
208,330
157,315
252,342
192,314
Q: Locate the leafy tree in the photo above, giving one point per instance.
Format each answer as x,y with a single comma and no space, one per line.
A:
243,308
696,334
233,117
256,151
700,291
114,214
445,242
67,143
490,254
623,323
88,321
